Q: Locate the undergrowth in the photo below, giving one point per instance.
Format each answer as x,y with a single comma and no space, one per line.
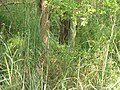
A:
92,64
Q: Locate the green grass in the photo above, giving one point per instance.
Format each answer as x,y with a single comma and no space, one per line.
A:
93,64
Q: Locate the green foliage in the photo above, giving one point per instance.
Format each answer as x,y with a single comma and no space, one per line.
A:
92,64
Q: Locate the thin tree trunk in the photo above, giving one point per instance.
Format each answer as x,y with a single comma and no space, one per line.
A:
44,24
64,31
67,30
44,30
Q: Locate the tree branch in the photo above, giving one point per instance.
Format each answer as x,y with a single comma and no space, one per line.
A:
15,3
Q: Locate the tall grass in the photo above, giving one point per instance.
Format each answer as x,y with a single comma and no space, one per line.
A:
93,64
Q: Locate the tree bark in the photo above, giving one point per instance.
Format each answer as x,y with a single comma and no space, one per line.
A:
67,30
44,24
64,31
44,30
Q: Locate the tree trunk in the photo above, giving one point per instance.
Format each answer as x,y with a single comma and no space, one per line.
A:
44,24
64,31
44,30
67,30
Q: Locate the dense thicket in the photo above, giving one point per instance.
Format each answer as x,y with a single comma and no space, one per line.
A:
83,47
